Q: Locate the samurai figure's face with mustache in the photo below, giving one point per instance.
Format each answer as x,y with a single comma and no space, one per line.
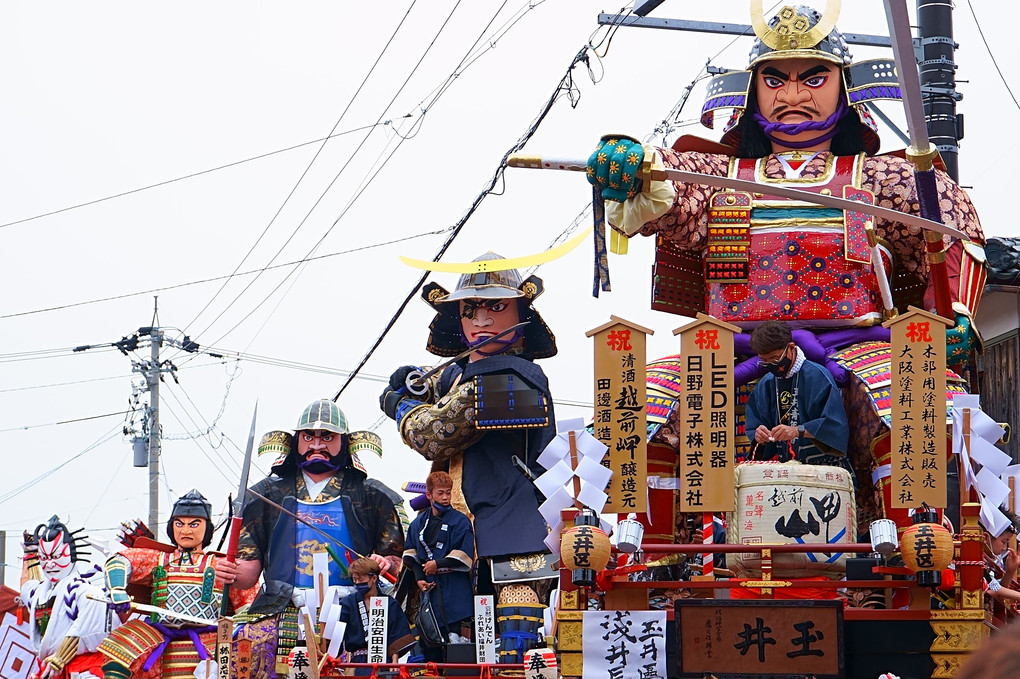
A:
793,91
320,451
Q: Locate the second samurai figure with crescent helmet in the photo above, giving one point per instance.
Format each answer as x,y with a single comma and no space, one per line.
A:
484,410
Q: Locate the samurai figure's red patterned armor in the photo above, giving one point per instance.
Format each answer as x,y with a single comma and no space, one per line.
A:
774,258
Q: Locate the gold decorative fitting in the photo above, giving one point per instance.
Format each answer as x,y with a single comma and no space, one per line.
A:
530,290
766,583
793,29
524,563
731,200
922,160
826,192
278,442
518,594
435,294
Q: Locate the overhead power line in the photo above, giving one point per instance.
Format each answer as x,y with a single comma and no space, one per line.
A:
119,413
301,178
326,190
11,494
219,278
988,49
566,87
166,182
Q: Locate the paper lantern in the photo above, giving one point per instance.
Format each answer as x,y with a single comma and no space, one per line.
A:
927,549
584,549
629,534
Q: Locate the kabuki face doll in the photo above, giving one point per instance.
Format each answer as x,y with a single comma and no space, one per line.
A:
57,549
55,557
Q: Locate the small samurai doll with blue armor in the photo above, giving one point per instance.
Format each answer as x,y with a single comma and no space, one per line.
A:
64,596
183,581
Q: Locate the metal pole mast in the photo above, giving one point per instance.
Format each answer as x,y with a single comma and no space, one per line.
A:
937,69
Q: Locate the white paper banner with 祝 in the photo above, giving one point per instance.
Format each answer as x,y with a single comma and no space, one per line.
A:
377,619
624,644
485,631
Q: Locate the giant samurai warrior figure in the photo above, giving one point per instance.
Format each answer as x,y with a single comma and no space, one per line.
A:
482,412
319,477
183,581
800,120
65,599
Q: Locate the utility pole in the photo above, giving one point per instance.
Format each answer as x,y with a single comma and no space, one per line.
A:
153,377
937,70
146,440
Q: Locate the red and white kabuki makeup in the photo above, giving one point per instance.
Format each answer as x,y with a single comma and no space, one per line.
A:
55,557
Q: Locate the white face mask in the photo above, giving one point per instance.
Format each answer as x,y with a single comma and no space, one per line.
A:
55,558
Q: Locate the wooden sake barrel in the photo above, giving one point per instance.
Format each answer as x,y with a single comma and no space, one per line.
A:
790,502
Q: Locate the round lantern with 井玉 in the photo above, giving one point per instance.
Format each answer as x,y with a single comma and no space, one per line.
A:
927,548
584,549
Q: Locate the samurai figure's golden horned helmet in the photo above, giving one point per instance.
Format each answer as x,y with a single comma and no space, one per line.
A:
798,31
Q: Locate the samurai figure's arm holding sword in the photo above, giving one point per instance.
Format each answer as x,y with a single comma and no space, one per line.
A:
360,513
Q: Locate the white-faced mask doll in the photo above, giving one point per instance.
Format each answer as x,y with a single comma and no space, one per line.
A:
57,549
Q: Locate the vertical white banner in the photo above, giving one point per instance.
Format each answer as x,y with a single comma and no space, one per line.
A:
378,613
624,644
485,631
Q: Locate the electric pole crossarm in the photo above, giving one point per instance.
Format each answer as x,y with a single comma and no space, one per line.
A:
723,28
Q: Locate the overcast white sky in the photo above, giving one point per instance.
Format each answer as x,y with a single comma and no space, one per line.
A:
109,97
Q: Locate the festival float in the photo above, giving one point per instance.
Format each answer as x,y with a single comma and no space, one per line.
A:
820,501
756,232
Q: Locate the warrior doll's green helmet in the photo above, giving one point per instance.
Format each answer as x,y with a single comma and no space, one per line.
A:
322,415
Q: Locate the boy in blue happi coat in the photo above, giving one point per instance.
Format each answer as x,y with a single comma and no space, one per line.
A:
439,550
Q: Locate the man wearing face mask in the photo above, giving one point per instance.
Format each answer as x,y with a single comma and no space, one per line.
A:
440,552
795,411
1001,562
354,610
